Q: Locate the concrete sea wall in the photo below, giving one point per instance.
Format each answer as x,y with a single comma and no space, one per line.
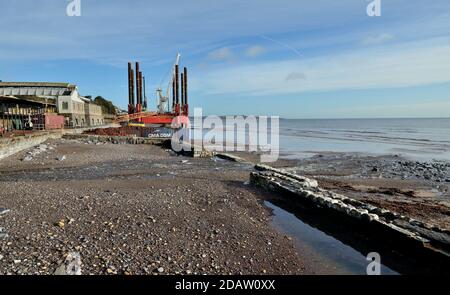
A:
10,146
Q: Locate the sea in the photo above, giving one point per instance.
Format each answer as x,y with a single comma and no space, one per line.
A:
416,139
419,139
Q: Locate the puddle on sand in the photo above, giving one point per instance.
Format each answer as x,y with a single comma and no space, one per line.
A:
329,255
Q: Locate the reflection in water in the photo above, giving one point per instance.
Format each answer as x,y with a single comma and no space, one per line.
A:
344,257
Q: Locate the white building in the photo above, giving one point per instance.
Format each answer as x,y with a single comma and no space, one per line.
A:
77,110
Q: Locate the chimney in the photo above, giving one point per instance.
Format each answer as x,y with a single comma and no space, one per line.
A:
132,87
173,94
138,97
185,87
182,90
141,96
130,99
177,85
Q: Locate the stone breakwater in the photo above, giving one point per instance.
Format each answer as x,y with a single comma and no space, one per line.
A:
101,139
423,236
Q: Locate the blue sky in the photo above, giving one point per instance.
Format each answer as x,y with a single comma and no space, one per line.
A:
291,58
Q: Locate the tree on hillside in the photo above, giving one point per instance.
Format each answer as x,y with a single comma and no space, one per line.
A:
107,106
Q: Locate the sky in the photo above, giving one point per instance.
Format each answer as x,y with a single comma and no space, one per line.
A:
288,58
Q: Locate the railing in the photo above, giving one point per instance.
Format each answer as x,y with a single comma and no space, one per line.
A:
38,126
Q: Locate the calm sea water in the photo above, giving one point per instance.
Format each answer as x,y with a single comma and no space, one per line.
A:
418,139
423,139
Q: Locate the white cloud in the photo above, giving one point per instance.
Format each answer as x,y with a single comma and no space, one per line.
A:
255,51
413,110
296,76
377,39
221,54
413,64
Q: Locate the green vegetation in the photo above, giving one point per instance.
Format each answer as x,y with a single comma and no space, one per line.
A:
107,106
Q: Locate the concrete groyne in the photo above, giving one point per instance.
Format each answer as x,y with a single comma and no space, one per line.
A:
427,243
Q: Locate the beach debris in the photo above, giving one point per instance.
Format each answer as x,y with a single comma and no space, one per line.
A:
3,234
60,224
4,211
61,158
27,158
111,270
36,151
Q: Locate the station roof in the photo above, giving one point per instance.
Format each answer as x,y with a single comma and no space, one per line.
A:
38,89
27,99
37,84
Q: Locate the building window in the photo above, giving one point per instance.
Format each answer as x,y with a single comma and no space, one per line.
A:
65,105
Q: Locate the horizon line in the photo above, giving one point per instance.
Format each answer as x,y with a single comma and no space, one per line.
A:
349,118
